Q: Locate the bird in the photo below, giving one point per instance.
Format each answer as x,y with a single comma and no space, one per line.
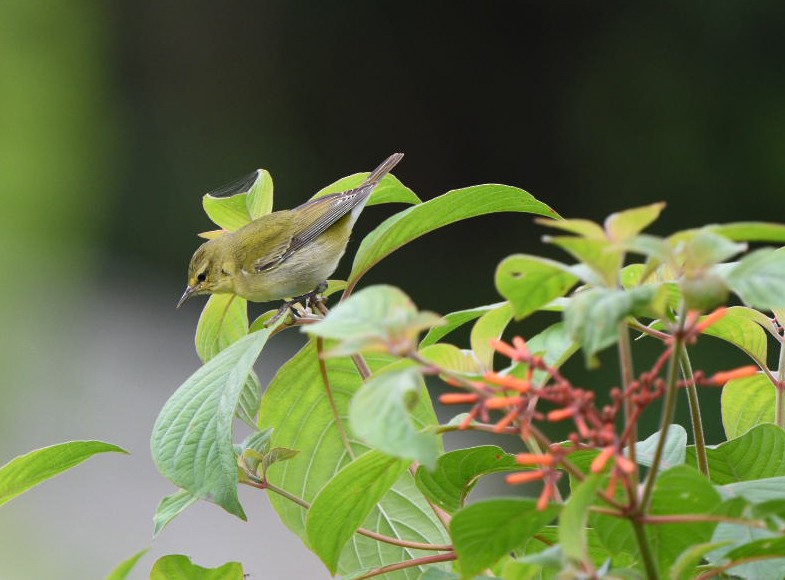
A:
284,255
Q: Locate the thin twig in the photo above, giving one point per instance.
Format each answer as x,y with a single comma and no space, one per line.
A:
424,561
331,398
630,415
779,413
695,412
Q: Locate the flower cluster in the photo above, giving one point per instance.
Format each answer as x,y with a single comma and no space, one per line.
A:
518,397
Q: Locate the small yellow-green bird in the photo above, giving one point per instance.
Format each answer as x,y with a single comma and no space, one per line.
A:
286,254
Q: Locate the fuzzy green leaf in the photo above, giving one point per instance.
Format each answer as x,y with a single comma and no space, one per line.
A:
573,535
623,225
529,282
192,437
375,318
380,416
453,206
31,469
123,569
456,320
751,231
675,450
346,501
260,196
457,472
389,190
746,403
490,326
759,278
296,406
601,256
450,357
170,507
487,530
230,213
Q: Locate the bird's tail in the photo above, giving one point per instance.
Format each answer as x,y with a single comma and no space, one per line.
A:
378,174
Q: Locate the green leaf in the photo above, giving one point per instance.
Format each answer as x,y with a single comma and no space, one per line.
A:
689,559
600,255
457,472
554,345
529,282
679,490
774,547
296,405
751,231
759,453
484,532
573,535
126,567
277,454
230,213
450,357
583,228
250,397
746,403
192,437
674,452
623,225
379,416
346,501
451,207
759,277
31,469
757,490
375,318
177,567
224,320
170,507
705,248
455,320
741,327
260,197
389,190
490,326
738,537
593,316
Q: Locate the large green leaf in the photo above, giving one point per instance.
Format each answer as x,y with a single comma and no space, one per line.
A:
679,490
260,197
31,469
756,490
759,278
739,538
705,248
376,318
674,452
455,320
344,503
224,320
490,326
751,231
457,472
573,534
759,453
380,416
296,406
389,190
487,530
451,207
177,567
192,437
601,256
743,328
450,357
746,403
530,282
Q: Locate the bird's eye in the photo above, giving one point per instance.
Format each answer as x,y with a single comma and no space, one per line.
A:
201,277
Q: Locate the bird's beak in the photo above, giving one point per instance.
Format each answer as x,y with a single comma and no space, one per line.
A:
189,291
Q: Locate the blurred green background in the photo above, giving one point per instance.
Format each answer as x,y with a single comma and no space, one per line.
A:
116,117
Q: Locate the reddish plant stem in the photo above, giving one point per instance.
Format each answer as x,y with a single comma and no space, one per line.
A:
328,389
362,531
631,413
424,561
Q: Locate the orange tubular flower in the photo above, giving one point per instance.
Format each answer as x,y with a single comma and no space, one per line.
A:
508,381
601,460
520,346
723,377
502,402
561,414
506,420
505,349
545,496
625,464
525,477
711,318
458,398
535,459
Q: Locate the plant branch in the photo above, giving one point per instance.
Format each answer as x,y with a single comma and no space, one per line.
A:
695,412
687,518
424,561
780,389
328,389
643,545
362,531
628,376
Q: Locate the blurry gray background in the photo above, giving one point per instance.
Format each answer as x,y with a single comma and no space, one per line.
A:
116,117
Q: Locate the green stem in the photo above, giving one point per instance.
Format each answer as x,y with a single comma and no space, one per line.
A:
628,376
668,413
695,412
643,545
780,387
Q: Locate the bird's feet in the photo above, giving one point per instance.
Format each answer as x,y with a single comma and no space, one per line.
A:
312,300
